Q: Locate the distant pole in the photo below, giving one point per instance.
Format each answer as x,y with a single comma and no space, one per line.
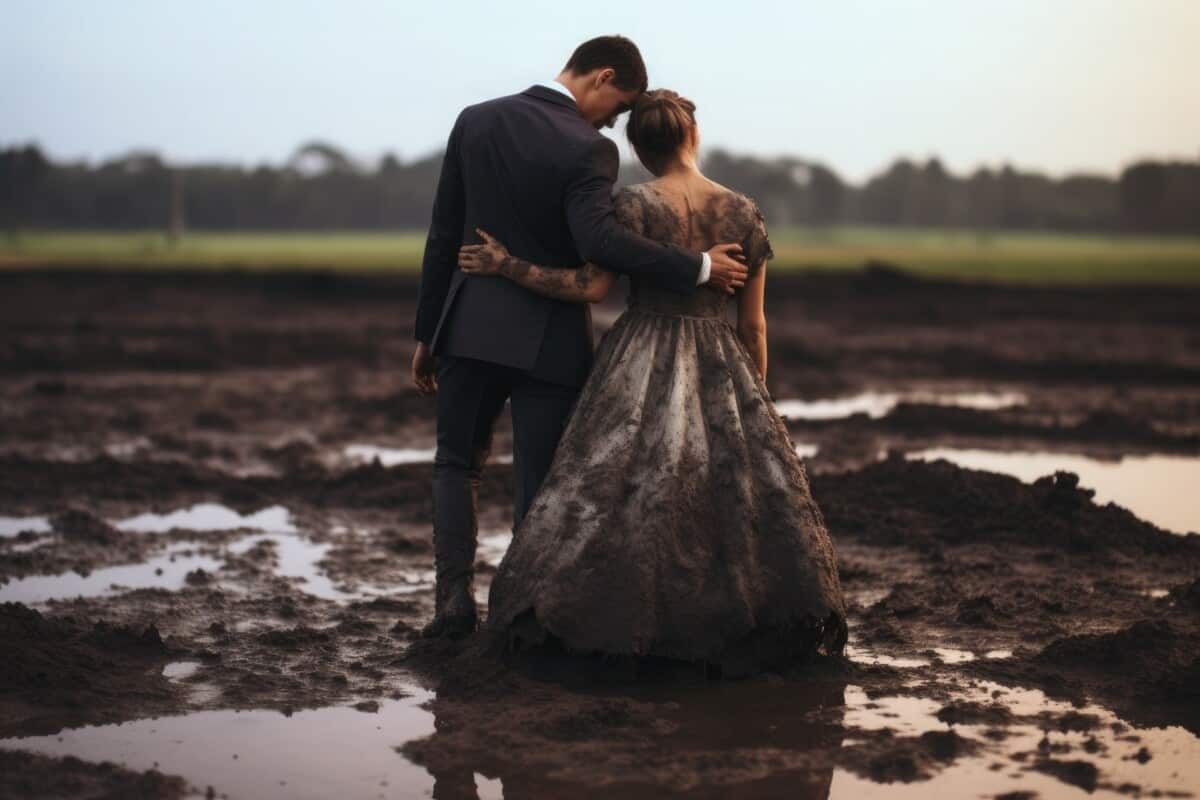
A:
175,225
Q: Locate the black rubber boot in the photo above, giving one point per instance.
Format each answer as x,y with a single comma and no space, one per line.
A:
454,536
454,605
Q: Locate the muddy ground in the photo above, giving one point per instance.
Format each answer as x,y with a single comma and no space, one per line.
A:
1006,636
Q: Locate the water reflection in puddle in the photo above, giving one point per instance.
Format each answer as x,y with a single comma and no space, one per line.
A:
878,404
178,670
904,715
166,571
493,546
862,655
395,456
11,526
298,558
949,655
27,547
329,752
388,456
1156,488
342,752
210,517
129,448
946,655
1173,770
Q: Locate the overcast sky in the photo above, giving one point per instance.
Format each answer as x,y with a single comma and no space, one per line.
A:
1056,85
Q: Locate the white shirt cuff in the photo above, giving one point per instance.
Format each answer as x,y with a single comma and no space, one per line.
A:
705,269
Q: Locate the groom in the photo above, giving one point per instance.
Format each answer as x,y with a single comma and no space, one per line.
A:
533,170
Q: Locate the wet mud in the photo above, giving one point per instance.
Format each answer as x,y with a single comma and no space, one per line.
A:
34,777
1007,636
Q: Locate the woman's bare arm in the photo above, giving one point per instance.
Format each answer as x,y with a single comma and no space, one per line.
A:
752,320
586,284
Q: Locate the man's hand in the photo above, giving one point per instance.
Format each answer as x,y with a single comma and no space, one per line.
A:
729,270
483,259
424,369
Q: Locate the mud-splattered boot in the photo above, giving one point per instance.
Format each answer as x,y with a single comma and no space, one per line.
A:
454,561
454,604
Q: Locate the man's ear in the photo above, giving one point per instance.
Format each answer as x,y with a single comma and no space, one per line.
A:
604,76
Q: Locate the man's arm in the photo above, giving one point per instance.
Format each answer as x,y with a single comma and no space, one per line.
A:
443,241
586,284
603,241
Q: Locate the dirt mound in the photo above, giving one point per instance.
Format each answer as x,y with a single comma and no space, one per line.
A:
36,777
921,422
1187,595
81,542
966,712
1077,773
922,504
76,523
1148,672
294,638
885,758
68,667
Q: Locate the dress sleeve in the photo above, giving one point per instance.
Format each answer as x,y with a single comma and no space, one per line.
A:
602,240
628,203
757,245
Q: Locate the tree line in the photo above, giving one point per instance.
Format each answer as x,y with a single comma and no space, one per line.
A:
321,188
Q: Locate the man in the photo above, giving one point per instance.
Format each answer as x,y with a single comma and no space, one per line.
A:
533,170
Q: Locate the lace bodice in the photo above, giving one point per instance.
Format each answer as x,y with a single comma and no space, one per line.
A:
725,217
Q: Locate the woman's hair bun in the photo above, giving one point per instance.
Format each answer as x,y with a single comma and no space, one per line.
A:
660,124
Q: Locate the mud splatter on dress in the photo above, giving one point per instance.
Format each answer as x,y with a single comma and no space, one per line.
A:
676,519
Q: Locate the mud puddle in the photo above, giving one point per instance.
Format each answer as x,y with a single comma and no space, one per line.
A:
1157,488
342,751
859,654
388,456
1025,742
167,571
874,404
937,738
877,404
274,547
395,456
297,559
210,517
14,526
917,730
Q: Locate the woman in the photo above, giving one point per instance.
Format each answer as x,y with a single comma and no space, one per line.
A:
676,519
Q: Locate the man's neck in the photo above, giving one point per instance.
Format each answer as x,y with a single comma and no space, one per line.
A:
560,84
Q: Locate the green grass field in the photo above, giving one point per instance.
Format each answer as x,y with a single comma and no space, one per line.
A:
1005,256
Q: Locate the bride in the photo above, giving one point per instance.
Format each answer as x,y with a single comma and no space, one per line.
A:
676,519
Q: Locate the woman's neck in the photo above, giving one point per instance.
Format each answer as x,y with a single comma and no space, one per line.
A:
683,168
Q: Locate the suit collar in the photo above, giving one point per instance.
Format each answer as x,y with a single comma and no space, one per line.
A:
551,96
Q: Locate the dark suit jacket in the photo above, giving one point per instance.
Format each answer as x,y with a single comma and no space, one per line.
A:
529,170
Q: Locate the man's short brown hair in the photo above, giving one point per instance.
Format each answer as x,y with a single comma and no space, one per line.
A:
611,51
